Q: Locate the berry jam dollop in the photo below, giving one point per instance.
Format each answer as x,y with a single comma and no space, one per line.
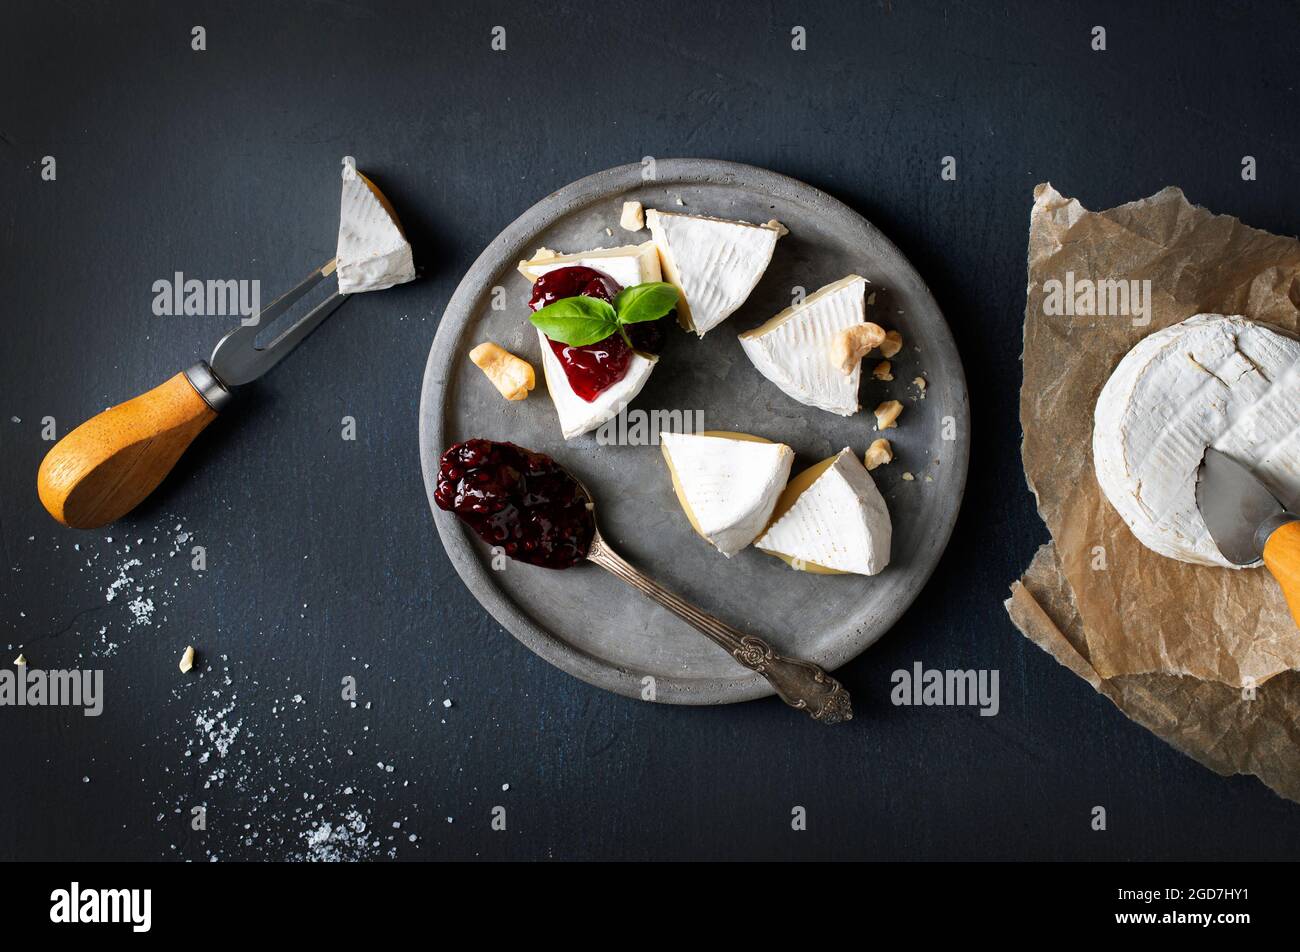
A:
524,502
593,368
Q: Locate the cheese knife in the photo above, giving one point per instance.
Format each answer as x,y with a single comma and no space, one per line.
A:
1247,522
107,466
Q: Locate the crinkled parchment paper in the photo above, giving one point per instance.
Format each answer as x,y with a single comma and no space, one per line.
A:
1171,644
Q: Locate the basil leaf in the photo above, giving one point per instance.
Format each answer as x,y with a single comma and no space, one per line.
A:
576,321
645,302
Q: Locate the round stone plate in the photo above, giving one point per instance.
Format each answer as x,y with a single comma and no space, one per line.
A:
585,621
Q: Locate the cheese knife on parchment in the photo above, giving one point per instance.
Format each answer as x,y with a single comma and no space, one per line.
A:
1248,523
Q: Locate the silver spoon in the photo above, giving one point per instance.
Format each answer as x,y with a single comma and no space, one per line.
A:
801,684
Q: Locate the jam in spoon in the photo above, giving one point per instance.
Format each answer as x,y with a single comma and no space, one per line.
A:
539,513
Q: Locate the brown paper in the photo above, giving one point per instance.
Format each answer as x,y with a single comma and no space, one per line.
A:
1171,644
1222,727
1142,612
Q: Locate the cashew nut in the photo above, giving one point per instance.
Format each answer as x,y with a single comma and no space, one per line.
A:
511,375
854,343
633,217
878,454
887,413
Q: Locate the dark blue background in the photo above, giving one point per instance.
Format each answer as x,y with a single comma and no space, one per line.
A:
322,558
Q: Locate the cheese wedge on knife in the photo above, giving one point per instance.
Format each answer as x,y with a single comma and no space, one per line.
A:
373,253
795,348
727,483
713,262
628,265
831,519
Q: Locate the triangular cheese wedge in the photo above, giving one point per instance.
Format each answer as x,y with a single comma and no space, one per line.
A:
714,263
727,483
831,519
628,265
372,254
577,415
793,349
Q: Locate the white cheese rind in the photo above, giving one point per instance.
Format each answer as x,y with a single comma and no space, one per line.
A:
714,263
372,252
1210,381
839,522
628,265
577,416
731,485
793,349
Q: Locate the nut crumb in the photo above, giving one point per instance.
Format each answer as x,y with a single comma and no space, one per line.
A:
909,477
187,660
919,384
878,454
633,217
887,415
854,343
892,344
20,660
883,371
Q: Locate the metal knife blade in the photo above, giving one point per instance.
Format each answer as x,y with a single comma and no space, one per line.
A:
237,360
1238,509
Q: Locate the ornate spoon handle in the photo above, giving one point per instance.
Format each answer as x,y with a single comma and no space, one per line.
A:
801,684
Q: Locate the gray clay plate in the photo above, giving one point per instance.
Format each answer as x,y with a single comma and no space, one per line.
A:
584,620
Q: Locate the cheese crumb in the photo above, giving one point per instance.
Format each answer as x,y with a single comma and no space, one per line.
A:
883,371
633,217
909,477
892,344
781,230
878,454
512,376
887,415
187,660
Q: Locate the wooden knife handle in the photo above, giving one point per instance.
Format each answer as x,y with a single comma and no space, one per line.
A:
1282,556
104,468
